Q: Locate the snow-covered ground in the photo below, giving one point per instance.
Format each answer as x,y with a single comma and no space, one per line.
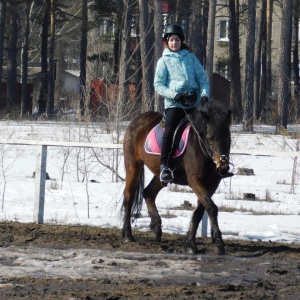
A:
71,199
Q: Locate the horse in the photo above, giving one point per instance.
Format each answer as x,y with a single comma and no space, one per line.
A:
204,163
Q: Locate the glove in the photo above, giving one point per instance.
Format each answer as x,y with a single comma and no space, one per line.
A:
177,97
187,99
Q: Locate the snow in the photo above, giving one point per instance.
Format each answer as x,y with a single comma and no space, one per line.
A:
274,215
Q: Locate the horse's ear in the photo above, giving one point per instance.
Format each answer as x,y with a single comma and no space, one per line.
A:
229,116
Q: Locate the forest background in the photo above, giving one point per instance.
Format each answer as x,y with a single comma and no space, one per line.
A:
54,34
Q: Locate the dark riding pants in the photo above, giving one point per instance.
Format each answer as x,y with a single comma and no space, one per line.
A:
173,118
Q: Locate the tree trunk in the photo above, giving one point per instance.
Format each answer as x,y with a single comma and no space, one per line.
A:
12,55
262,97
196,40
25,99
269,59
158,32
125,59
204,30
234,53
51,77
2,29
296,107
284,69
257,61
83,53
210,41
249,70
146,33
44,61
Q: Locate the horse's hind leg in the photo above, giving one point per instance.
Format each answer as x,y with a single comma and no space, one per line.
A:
190,241
133,173
150,193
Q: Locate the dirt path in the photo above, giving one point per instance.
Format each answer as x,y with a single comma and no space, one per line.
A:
80,262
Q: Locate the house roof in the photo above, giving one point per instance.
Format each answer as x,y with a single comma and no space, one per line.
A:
75,73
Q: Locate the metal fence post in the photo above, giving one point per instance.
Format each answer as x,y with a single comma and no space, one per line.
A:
204,225
40,184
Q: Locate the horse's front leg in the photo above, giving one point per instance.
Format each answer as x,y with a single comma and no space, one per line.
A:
150,193
190,240
216,235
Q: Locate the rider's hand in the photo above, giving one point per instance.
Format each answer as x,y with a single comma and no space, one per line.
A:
177,97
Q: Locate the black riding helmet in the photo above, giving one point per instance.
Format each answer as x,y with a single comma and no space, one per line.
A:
174,29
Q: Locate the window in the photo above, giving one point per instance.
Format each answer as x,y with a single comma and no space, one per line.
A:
223,30
106,28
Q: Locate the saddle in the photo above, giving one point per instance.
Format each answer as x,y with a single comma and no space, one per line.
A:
153,141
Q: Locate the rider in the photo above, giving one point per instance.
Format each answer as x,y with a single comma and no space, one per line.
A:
181,80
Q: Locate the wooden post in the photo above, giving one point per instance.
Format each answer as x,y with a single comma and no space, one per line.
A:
204,225
40,183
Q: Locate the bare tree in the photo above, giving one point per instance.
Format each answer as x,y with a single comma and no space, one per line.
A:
210,40
262,97
51,75
2,28
249,68
25,100
44,61
296,12
258,60
146,40
125,58
284,69
196,42
269,56
234,52
12,54
158,32
83,53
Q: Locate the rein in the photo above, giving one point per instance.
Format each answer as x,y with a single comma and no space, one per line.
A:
207,151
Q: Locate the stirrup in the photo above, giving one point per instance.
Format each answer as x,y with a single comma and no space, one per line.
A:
166,175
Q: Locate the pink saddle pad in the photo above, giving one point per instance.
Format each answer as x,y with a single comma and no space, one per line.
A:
154,141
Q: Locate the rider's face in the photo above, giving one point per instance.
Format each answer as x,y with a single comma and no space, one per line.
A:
174,42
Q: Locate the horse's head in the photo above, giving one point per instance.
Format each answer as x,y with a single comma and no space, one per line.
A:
215,136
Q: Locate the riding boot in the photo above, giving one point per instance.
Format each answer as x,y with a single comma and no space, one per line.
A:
166,174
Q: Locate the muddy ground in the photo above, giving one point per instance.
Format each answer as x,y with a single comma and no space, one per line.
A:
82,262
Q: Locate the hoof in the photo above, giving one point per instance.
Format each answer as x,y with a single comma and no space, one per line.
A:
220,249
190,247
128,239
191,250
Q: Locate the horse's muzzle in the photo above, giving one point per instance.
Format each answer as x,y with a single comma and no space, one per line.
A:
223,165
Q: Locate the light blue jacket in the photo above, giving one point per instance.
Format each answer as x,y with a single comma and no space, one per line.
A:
177,73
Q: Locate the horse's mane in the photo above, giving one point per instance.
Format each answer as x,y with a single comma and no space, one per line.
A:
217,117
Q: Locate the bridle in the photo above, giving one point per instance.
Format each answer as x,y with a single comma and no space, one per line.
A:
208,150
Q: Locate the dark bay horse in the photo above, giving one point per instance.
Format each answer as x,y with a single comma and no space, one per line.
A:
202,166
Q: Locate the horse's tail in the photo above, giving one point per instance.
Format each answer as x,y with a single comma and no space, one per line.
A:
138,197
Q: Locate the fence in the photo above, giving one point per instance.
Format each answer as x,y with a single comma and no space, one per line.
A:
40,173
